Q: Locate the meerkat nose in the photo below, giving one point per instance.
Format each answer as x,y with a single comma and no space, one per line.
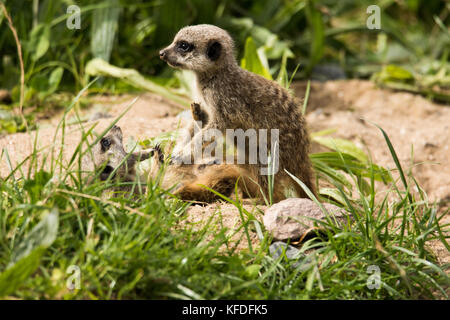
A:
162,54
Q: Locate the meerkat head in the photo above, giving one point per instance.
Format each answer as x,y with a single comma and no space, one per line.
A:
109,152
200,48
110,155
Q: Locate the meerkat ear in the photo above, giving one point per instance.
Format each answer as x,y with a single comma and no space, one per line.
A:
117,130
214,50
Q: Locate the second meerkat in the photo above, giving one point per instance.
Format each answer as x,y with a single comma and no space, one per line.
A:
234,98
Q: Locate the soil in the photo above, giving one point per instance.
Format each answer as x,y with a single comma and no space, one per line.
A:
418,129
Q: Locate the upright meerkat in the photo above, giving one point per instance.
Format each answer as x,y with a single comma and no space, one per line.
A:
234,98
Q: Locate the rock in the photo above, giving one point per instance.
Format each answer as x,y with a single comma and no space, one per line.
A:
291,218
292,253
219,216
99,115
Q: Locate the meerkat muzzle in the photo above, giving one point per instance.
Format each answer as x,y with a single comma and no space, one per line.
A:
167,56
106,172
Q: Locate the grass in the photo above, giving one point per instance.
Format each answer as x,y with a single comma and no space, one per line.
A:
141,246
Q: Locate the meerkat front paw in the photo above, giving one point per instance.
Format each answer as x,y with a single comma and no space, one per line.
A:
158,153
148,153
198,114
196,111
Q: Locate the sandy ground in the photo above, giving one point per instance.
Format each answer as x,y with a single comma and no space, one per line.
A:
351,106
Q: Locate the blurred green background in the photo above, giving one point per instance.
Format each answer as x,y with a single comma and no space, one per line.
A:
320,40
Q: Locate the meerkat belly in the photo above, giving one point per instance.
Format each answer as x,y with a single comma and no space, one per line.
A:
202,99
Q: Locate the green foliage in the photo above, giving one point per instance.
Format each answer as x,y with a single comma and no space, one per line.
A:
342,145
25,259
433,83
252,62
43,85
132,245
39,41
104,26
308,33
10,122
99,67
14,276
317,29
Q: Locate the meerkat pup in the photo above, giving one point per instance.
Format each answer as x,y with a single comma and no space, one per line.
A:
109,156
233,98
109,160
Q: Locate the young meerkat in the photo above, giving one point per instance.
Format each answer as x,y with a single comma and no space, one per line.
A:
109,155
234,98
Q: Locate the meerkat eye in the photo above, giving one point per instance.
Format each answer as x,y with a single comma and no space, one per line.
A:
184,46
106,143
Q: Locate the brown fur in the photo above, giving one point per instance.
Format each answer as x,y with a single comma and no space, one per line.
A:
190,180
234,98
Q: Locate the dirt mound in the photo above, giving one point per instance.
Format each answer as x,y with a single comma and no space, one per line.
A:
418,129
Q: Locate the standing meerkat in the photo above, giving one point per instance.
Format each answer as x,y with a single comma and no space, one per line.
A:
234,98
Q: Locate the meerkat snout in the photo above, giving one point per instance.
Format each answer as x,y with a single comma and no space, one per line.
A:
106,172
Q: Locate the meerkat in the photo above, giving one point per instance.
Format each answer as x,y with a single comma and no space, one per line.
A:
234,98
189,181
110,158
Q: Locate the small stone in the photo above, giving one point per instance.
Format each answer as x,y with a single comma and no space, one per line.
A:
291,218
292,253
429,145
5,96
99,115
276,249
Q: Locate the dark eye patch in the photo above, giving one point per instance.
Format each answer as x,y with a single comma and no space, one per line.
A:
105,143
184,46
